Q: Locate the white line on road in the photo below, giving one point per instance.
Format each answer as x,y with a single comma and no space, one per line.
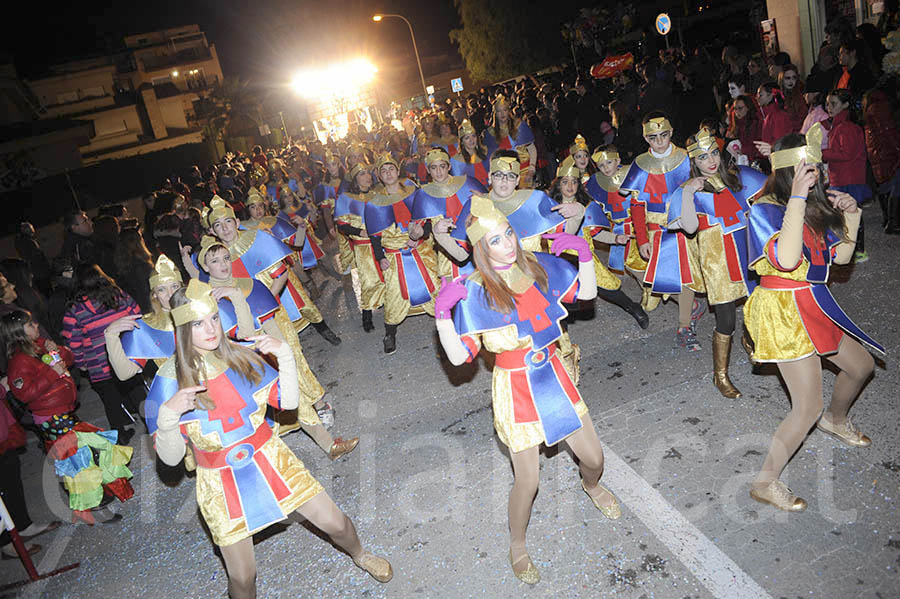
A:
715,570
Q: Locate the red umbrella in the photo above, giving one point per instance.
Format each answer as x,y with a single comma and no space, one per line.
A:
612,66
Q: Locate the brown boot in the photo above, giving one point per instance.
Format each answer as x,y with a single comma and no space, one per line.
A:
721,353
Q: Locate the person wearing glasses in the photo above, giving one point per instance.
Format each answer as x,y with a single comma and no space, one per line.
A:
78,244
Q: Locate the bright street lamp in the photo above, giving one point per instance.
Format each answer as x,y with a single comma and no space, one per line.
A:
379,17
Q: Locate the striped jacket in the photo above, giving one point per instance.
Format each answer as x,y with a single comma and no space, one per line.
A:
83,326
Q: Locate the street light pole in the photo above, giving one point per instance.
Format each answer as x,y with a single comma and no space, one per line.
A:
377,19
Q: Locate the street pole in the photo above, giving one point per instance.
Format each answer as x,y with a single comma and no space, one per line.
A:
378,18
283,126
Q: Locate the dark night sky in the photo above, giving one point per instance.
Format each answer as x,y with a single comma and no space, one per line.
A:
260,39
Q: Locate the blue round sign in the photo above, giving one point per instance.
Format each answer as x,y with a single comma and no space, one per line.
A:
663,23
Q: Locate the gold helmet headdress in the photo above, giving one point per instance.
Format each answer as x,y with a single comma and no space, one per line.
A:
811,153
201,303
164,271
436,155
604,155
657,125
466,128
207,242
579,145
705,142
385,158
487,218
568,169
218,208
503,164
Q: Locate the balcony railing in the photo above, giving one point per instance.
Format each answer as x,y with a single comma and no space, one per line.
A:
182,57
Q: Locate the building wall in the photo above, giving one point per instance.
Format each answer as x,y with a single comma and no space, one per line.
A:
71,88
172,110
115,127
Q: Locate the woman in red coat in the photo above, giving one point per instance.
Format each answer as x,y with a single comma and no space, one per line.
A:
745,126
883,146
846,157
776,121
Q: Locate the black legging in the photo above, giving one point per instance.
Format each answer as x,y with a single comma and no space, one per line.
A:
12,492
726,315
115,403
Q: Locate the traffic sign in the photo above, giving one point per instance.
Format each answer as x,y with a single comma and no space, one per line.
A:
430,90
663,23
456,84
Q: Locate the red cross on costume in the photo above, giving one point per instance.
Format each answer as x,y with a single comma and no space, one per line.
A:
401,214
228,404
453,207
656,188
727,207
532,306
816,245
614,201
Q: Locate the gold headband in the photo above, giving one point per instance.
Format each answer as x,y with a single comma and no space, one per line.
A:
164,271
705,142
218,209
505,164
207,242
657,125
568,169
599,157
487,218
201,304
466,128
811,153
579,145
330,157
436,155
500,101
385,158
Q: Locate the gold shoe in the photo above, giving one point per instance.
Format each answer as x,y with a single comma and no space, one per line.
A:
846,432
341,448
780,496
377,567
190,463
613,511
721,354
530,574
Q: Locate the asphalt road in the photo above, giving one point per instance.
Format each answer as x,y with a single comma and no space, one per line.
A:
428,483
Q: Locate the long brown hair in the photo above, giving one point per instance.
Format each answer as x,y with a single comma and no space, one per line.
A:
13,336
188,365
820,214
499,296
729,174
131,249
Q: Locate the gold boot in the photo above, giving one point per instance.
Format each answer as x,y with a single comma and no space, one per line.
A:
721,354
190,463
649,301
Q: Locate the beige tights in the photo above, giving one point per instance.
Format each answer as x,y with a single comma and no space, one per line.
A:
321,511
804,382
685,305
526,470
319,434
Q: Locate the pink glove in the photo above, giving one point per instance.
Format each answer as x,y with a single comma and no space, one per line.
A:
450,294
567,241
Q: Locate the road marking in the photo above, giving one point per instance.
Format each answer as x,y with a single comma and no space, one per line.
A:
715,570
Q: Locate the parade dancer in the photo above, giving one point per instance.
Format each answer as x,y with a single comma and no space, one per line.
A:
259,255
407,264
349,214
324,196
715,204
567,188
507,132
671,258
247,478
444,198
471,157
796,231
512,305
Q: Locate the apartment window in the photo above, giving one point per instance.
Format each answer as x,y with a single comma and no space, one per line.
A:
93,92
161,80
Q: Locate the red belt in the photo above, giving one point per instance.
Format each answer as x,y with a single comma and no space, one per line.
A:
773,282
512,360
356,242
215,460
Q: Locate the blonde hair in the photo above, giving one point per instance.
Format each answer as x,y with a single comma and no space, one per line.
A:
188,365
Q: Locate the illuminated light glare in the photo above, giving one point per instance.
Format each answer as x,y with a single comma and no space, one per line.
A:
377,18
174,73
338,80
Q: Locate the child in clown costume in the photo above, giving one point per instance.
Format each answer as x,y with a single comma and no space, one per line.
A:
512,306
213,394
